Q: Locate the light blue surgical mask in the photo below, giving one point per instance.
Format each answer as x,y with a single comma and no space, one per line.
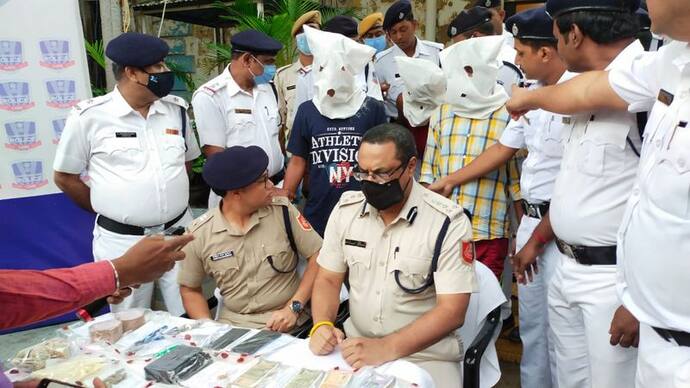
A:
379,43
267,76
303,44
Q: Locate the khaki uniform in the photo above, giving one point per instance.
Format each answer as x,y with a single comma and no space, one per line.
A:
286,87
238,261
357,239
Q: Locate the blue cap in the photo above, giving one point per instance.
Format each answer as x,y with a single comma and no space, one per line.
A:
531,24
343,25
135,49
485,3
399,11
468,20
255,42
556,8
235,167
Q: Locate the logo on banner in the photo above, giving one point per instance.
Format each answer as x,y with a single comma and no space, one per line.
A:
11,55
14,96
62,93
55,54
28,175
340,173
58,127
21,135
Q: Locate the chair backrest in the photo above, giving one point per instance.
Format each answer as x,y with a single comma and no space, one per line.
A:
479,332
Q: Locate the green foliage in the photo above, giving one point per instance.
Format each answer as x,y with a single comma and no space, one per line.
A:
96,51
181,75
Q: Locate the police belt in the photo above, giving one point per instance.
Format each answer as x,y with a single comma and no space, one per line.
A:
535,210
588,255
278,177
682,338
120,228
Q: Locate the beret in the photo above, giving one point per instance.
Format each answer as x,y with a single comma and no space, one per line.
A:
136,49
468,20
399,11
343,25
235,167
253,41
531,24
369,22
556,8
308,18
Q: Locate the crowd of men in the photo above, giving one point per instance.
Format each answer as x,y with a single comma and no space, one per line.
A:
561,128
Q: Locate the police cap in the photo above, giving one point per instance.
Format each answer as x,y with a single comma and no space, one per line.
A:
468,20
256,42
485,3
371,21
235,167
136,49
343,25
534,24
399,11
556,8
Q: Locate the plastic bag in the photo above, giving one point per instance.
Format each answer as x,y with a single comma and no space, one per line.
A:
34,357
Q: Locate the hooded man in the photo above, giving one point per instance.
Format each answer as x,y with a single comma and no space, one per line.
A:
329,128
473,119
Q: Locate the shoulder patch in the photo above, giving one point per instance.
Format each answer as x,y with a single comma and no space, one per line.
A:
176,100
85,105
351,197
442,204
197,223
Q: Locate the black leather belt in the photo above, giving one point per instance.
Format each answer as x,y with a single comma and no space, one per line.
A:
535,210
120,228
278,177
588,255
682,338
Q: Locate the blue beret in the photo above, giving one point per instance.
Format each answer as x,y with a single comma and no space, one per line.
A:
253,41
399,11
343,25
135,49
486,3
468,20
556,8
531,24
235,167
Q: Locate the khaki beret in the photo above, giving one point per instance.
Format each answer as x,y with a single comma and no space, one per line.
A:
307,18
369,22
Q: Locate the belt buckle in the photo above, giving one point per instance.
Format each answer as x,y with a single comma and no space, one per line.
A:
532,211
153,230
567,250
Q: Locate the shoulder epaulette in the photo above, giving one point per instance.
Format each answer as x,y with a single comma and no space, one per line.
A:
176,100
351,197
197,223
442,204
280,201
435,45
383,54
85,105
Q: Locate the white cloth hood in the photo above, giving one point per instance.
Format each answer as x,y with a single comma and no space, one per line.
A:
425,88
337,60
471,67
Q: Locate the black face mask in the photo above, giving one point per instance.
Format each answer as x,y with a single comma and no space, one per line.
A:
383,195
161,83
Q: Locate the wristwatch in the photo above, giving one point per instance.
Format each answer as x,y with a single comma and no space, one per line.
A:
296,307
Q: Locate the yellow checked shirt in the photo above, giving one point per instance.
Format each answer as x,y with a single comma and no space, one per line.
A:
453,143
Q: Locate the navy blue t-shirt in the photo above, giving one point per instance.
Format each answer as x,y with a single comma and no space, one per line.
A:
330,147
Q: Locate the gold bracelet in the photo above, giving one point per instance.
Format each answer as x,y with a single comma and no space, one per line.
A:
319,324
117,275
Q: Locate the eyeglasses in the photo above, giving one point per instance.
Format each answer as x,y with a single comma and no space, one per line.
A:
378,177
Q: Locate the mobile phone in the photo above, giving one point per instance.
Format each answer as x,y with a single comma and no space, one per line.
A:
226,339
174,231
50,383
258,341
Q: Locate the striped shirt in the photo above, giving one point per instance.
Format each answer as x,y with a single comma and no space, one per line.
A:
453,143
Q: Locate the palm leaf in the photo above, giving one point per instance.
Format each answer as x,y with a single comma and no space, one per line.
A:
96,52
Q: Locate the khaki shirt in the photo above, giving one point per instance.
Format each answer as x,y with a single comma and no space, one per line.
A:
286,87
238,261
357,239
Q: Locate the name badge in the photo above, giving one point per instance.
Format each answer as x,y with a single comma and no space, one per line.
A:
665,97
566,120
243,111
171,131
292,87
125,134
397,76
356,243
222,255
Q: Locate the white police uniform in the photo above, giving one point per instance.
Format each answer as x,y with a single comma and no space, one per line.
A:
654,237
540,132
227,116
136,172
387,70
596,178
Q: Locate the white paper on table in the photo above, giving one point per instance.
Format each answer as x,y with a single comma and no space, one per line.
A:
298,354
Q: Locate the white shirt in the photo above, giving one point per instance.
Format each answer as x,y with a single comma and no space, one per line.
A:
654,237
136,165
227,116
597,172
540,131
387,69
509,38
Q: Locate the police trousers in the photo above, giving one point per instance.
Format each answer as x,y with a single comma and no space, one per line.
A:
582,301
660,363
110,245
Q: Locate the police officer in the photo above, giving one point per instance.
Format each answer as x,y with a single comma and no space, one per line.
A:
498,15
371,33
654,237
245,246
600,159
132,143
239,106
477,21
400,26
410,263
